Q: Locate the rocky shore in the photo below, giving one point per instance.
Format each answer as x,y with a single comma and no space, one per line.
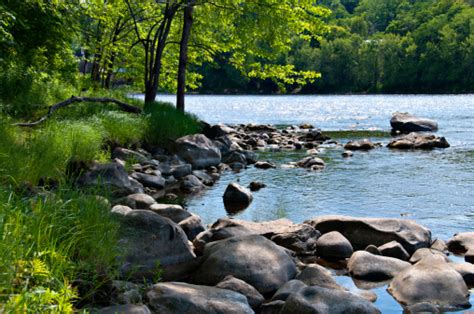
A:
235,266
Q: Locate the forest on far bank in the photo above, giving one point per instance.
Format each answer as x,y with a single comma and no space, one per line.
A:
373,46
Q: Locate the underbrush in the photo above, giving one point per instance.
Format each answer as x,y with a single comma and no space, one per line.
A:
48,243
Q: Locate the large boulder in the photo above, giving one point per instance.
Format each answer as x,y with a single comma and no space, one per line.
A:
179,297
149,242
407,123
236,197
254,297
333,245
366,266
321,300
111,177
198,150
418,141
432,280
362,232
253,259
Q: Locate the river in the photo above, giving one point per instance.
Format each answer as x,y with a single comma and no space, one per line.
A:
435,188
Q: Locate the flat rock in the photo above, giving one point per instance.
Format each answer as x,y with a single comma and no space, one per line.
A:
179,297
359,145
316,275
333,245
424,252
432,281
264,165
317,299
418,141
148,240
407,123
253,259
254,297
236,197
366,266
148,180
139,201
171,211
362,232
394,249
198,150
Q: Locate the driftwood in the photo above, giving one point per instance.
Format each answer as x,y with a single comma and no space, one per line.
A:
124,106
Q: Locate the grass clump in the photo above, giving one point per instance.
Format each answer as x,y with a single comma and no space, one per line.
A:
47,243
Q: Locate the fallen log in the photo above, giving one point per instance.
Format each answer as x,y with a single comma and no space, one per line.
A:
74,99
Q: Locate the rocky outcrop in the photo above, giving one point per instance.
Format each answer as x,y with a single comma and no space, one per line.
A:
407,123
362,232
317,299
253,259
432,280
366,266
149,242
254,297
359,145
418,141
333,245
198,150
236,197
178,298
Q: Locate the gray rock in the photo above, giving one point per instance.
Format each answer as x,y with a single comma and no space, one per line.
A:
423,252
192,226
111,177
178,298
254,297
124,292
234,157
191,184
373,249
273,307
460,243
236,197
362,232
148,240
151,181
311,162
256,186
137,187
218,130
394,249
264,165
139,201
128,155
418,141
432,281
253,259
124,309
333,245
300,238
171,211
407,123
316,275
198,150
288,288
120,210
366,266
203,177
317,299
359,145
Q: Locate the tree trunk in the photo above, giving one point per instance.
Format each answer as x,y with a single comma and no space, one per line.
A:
183,53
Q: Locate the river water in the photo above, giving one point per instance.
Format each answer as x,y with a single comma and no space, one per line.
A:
435,188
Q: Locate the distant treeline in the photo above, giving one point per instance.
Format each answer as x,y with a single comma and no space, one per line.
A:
374,46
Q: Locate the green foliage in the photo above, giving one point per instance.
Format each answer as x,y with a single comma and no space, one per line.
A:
49,241
165,123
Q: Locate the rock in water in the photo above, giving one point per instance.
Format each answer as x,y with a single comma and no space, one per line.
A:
179,298
149,242
418,141
333,245
461,242
366,266
407,123
253,259
362,232
359,145
432,280
198,150
321,300
236,198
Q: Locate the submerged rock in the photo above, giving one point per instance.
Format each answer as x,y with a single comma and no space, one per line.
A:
253,259
418,141
179,297
362,232
236,197
407,123
432,280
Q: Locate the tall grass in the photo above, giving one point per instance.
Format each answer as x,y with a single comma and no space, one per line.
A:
48,242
